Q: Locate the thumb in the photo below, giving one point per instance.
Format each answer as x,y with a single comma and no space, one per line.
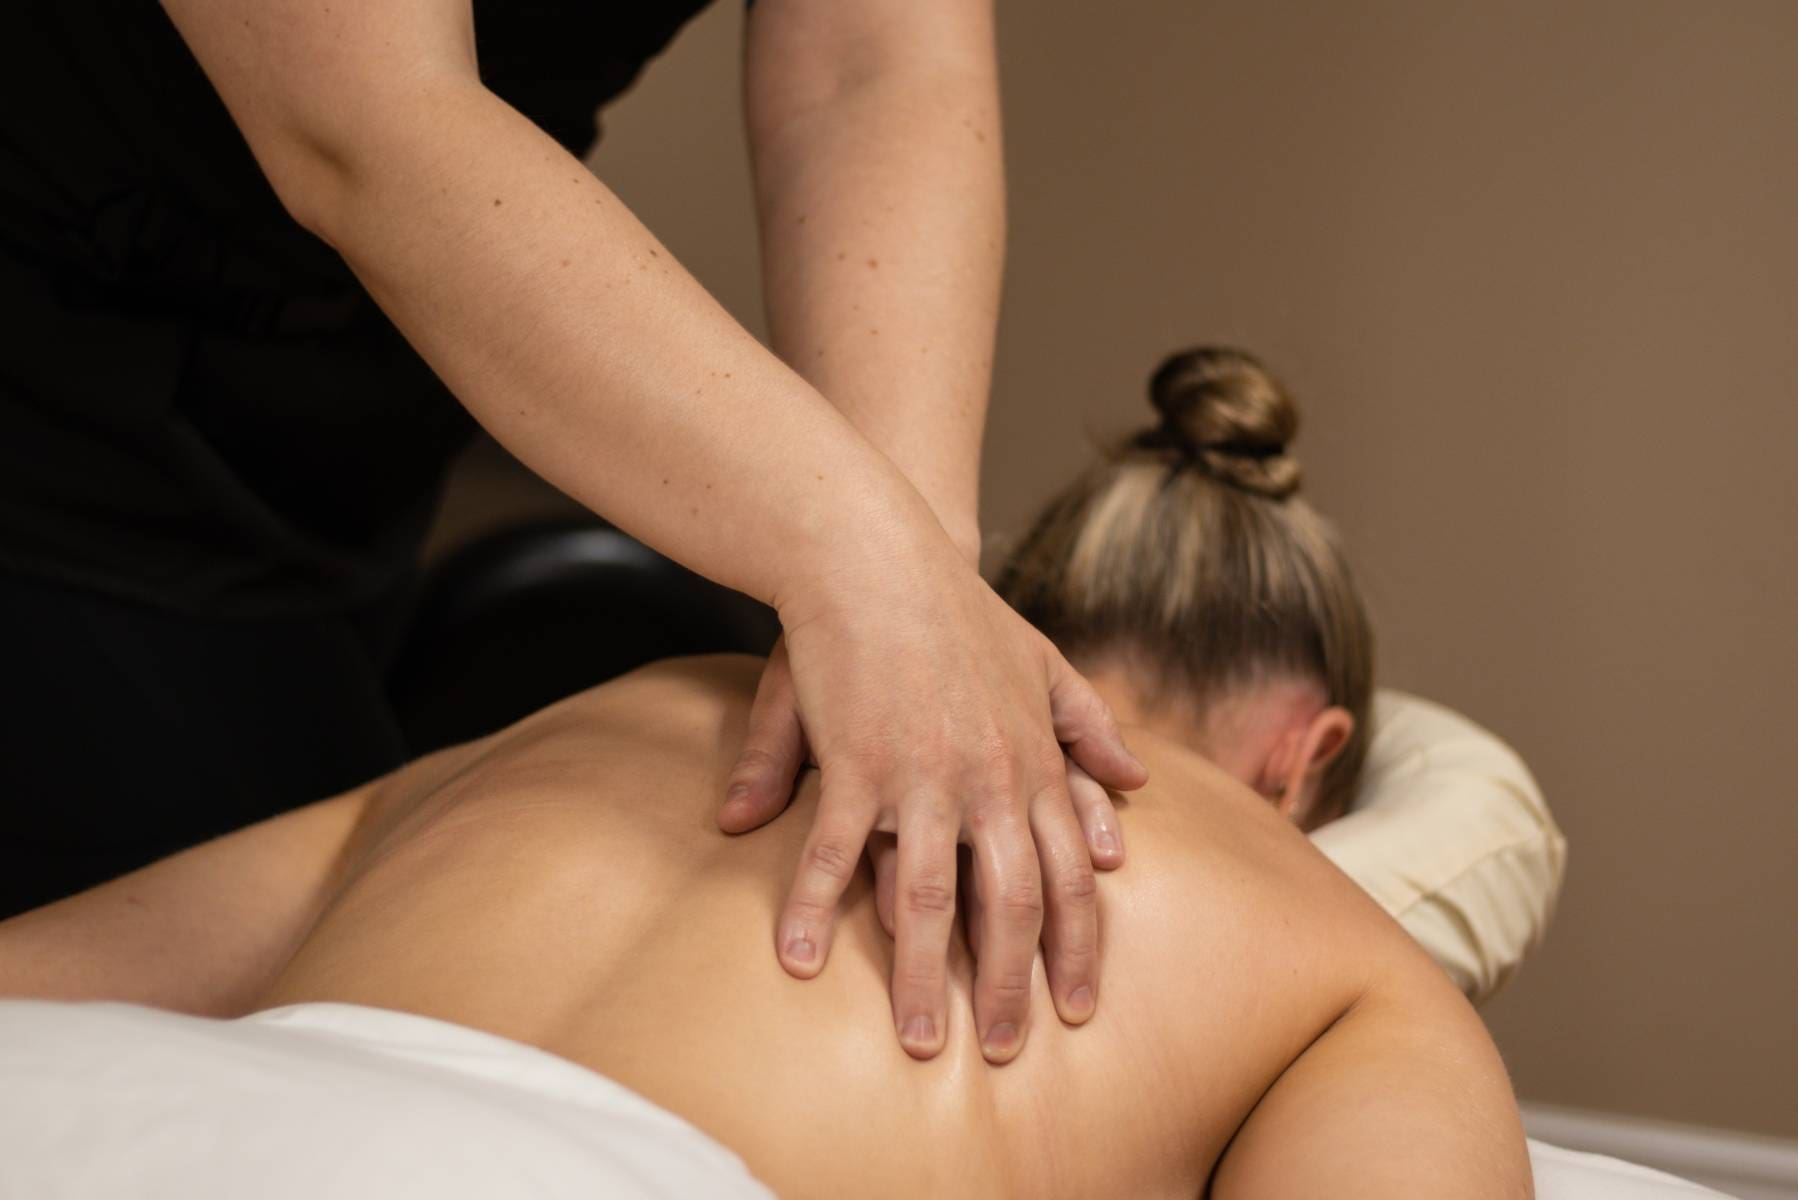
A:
1085,725
761,782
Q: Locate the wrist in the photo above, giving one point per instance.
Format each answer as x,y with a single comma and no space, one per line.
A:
881,545
966,539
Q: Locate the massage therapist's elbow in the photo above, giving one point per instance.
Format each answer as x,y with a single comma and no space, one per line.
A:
328,175
311,181
326,94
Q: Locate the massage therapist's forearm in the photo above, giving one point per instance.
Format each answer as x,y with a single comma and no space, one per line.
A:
545,306
580,343
874,132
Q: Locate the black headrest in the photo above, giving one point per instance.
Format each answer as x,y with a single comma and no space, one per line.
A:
523,618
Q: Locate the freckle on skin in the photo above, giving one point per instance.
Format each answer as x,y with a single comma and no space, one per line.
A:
841,256
873,263
496,202
820,477
653,254
664,483
564,262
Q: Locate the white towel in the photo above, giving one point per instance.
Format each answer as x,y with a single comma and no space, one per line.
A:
316,1100
343,1101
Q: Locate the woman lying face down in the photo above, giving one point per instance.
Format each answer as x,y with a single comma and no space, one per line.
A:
1266,1030
1187,580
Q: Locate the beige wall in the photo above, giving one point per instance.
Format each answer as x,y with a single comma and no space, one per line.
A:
1533,271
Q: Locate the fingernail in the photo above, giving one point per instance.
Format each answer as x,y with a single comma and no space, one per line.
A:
800,948
737,792
1139,763
1080,1002
1001,1040
919,1031
1106,840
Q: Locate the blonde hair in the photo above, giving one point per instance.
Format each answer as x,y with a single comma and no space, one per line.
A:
1187,550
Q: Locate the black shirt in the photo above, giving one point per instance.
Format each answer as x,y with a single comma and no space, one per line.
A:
200,407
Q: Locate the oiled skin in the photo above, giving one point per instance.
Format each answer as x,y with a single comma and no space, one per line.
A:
564,884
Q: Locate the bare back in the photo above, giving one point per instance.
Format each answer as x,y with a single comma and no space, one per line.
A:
563,884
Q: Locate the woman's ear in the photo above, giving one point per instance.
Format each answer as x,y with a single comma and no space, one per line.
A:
1313,748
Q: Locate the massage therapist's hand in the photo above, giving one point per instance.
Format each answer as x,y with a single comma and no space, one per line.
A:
936,713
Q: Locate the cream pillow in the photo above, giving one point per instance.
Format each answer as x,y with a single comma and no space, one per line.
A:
1450,834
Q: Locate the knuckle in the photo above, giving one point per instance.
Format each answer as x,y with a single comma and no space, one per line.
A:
808,912
1108,720
1077,886
929,896
831,856
755,760
865,761
990,755
1052,784
1048,760
997,812
1094,705
918,978
1074,960
1020,903
941,810
1009,988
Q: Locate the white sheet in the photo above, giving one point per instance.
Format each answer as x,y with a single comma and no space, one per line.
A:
1573,1175
342,1101
323,1100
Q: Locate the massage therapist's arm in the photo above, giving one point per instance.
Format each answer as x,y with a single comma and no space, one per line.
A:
574,337
874,134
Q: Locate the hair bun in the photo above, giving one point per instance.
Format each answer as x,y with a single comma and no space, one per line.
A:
1222,410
